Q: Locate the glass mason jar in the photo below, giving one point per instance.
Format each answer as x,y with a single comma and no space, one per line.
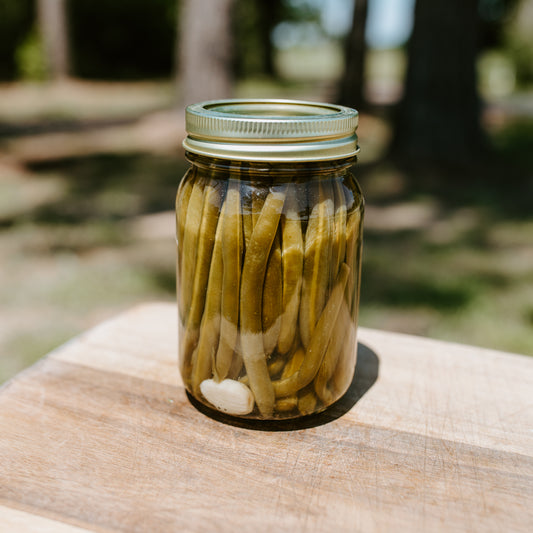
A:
269,228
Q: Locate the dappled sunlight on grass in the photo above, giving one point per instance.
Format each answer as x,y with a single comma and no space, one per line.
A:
83,248
439,266
20,193
30,102
88,230
448,252
112,187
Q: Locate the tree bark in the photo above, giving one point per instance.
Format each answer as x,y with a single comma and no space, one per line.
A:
205,50
439,117
351,90
52,18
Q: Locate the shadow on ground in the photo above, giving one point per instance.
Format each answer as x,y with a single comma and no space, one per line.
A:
111,187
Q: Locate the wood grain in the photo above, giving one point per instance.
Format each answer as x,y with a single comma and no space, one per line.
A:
431,436
15,520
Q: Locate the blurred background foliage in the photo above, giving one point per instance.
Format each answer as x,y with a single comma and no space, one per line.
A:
16,22
91,99
135,39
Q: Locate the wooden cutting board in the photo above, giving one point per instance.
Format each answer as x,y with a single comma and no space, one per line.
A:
100,436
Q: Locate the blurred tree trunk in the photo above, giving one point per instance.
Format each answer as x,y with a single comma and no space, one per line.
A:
253,23
439,117
269,17
205,50
52,19
351,90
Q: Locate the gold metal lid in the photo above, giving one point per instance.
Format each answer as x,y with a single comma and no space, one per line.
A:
271,130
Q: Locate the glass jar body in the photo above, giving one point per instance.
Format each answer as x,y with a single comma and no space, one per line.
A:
268,274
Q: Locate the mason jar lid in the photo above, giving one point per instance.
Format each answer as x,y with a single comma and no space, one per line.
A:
271,130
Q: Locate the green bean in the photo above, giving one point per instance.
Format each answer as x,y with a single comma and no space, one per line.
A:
357,269
236,362
326,187
344,371
339,225
319,340
276,365
193,219
253,274
352,238
204,354
232,257
291,367
338,338
258,200
252,201
182,203
292,266
247,221
284,405
331,358
307,401
294,363
272,298
206,239
316,265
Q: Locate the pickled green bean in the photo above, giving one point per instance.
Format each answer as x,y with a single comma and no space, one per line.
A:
343,375
316,265
276,365
294,363
193,219
206,239
204,355
272,298
246,205
331,358
352,238
253,273
289,403
232,257
182,204
258,200
307,401
319,340
236,362
291,367
339,225
292,266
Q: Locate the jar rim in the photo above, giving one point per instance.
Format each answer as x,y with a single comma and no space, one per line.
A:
271,130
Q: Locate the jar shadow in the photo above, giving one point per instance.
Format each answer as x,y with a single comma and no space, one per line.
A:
366,374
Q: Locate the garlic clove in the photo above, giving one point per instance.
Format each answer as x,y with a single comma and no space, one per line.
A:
229,396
